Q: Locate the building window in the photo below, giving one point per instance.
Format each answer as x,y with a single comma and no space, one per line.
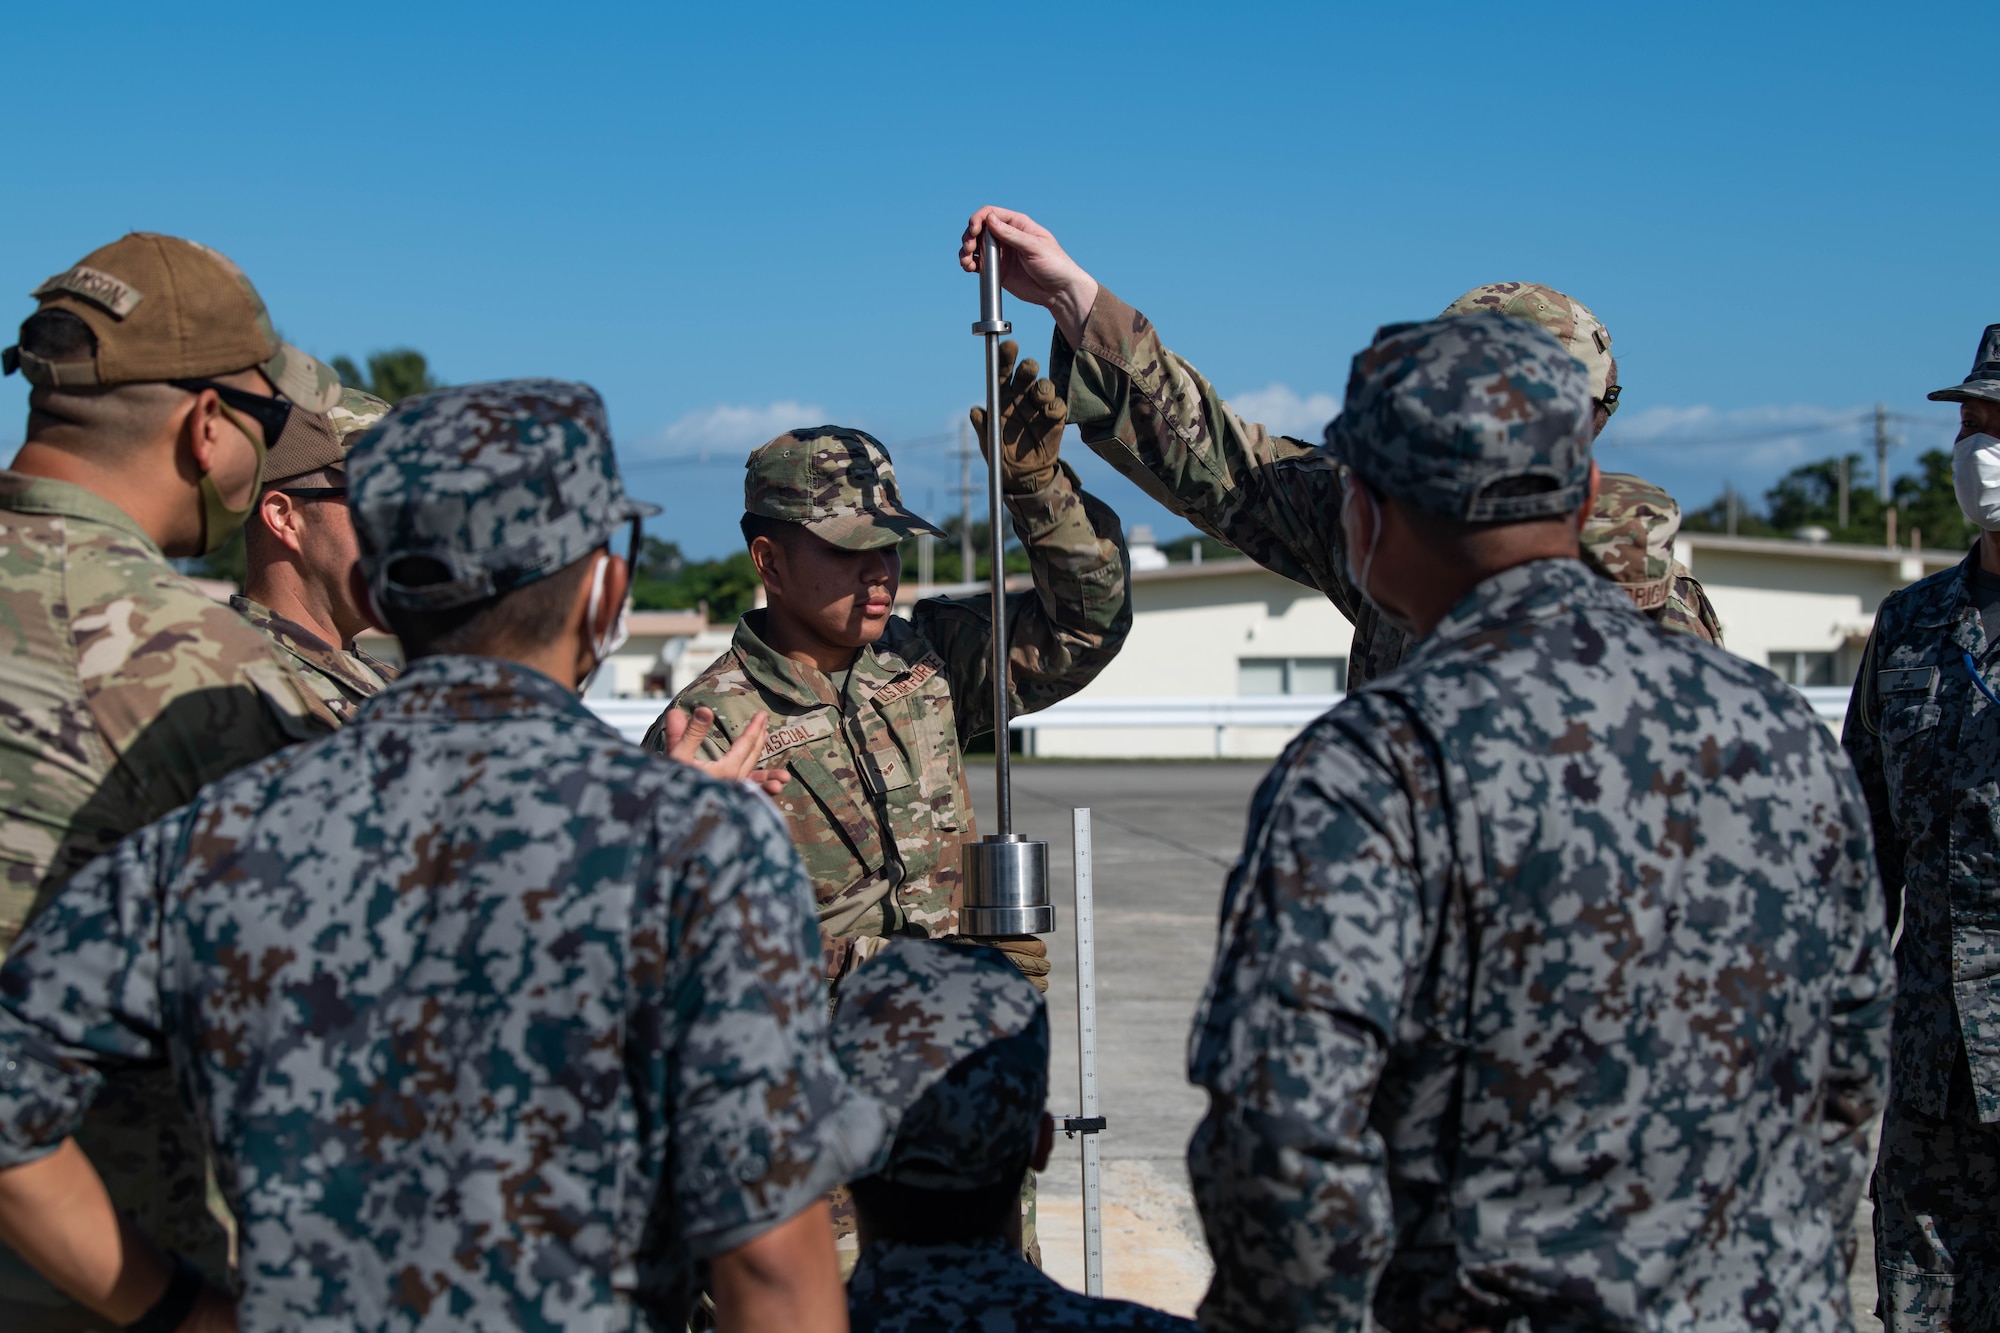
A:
1291,675
1803,668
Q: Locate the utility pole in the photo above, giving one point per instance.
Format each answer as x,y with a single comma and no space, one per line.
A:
965,563
1843,492
1882,452
1729,492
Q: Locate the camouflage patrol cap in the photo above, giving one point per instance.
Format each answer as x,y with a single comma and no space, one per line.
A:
1481,418
162,308
836,483
1984,381
1568,318
318,442
1629,537
472,491
954,1042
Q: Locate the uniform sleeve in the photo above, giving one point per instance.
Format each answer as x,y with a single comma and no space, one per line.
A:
182,696
1688,610
1062,632
81,991
1151,415
1861,737
1321,923
1864,994
761,1119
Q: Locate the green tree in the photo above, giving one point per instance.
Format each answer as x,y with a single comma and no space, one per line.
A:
393,375
666,581
1925,506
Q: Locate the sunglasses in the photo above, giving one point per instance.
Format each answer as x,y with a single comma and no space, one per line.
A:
270,413
314,492
1610,399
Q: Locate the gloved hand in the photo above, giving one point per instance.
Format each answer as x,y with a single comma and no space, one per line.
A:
1025,952
1032,417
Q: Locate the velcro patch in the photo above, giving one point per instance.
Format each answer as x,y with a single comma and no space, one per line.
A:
910,684
114,295
797,731
1907,679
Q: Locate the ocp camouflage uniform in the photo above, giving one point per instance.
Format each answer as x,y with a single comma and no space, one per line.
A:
1150,414
877,799
124,688
1553,954
341,678
493,1018
954,1044
314,446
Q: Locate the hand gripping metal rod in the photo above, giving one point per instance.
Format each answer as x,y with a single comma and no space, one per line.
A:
994,327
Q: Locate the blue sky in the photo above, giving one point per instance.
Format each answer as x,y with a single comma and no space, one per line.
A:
735,219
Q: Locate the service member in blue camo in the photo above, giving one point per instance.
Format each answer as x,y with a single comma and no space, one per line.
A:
1552,987
1923,727
493,1019
954,1043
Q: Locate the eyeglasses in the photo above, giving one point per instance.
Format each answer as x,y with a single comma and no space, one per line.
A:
270,413
1610,399
315,492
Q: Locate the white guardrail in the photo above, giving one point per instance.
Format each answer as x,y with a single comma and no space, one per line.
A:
1292,711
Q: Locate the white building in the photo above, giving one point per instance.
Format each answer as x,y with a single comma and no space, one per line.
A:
1228,660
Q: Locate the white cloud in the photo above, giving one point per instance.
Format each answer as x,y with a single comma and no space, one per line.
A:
731,428
1280,409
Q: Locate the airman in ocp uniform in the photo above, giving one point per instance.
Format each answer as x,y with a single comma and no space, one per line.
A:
1150,414
158,387
870,712
299,587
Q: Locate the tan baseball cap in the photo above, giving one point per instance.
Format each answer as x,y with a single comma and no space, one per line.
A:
1569,319
165,309
319,441
835,482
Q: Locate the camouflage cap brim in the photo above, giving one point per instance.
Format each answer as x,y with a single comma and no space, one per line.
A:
872,530
309,383
1985,390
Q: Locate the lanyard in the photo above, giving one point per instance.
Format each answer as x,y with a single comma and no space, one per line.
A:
1972,669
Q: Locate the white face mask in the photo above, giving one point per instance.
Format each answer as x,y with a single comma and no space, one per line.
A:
1360,580
620,628
1975,476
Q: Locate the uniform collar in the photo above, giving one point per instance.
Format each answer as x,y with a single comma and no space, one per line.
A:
1536,590
473,689
352,669
42,495
986,1255
807,687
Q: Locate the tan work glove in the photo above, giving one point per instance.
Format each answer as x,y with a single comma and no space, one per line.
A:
1025,952
1031,424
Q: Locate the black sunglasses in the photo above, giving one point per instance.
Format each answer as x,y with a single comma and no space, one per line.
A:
270,413
314,492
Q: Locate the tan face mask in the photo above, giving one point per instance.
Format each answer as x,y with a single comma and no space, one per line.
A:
219,522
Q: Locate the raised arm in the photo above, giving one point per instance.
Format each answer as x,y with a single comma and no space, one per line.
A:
1064,630
1152,416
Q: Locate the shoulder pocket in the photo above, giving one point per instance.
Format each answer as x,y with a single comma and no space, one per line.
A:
1911,719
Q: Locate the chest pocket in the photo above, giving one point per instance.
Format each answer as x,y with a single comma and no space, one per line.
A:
841,810
1907,697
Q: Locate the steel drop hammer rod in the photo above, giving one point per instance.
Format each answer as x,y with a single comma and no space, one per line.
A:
994,327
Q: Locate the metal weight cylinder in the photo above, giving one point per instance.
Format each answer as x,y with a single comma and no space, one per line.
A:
1006,887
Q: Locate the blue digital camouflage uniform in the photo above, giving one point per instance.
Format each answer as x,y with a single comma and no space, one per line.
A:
1924,732
1553,955
1925,739
492,1019
954,1044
